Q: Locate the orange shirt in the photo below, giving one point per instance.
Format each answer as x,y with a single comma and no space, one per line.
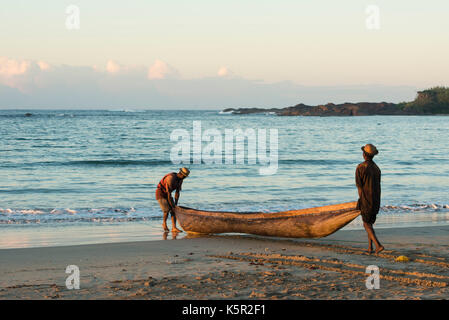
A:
171,181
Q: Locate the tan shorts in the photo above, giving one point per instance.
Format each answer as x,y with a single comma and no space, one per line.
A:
165,206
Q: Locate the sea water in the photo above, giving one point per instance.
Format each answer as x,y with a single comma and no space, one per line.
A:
89,176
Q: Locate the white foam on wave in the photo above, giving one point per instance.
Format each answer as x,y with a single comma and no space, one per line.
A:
126,110
415,207
31,211
67,215
60,211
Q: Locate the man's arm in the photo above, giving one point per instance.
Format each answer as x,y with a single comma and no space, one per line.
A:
176,196
380,185
169,198
358,181
178,191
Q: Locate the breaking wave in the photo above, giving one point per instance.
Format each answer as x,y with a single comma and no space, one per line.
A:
67,215
8,216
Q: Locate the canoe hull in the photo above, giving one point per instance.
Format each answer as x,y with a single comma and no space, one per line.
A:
306,223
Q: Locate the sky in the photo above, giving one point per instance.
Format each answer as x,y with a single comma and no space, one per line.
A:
217,54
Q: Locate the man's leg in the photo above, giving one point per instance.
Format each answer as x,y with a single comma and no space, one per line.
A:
165,209
164,223
370,245
372,237
173,223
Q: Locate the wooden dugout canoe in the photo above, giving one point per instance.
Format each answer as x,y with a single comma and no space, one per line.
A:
315,222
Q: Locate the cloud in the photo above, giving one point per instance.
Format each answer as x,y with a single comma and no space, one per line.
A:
36,84
224,72
21,74
113,67
11,67
43,65
161,70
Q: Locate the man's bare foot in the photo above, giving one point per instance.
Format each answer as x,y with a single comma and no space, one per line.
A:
174,229
164,225
381,248
370,250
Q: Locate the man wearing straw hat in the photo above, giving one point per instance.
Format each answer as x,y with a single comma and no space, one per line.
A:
367,179
169,183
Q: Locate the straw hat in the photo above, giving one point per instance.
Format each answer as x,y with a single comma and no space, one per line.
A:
184,171
370,149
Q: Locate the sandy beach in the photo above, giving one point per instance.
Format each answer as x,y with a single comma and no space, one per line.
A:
236,267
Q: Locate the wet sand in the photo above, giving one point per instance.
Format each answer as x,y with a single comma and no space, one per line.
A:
236,267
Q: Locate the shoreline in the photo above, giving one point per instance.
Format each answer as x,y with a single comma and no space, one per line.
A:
44,236
236,267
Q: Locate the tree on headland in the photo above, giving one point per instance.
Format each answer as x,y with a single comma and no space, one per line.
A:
434,101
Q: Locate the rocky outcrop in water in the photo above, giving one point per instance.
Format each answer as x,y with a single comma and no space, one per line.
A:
330,109
432,101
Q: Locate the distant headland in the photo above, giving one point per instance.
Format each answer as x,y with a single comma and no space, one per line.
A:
427,102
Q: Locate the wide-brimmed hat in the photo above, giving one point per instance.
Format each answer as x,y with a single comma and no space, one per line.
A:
184,171
370,149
